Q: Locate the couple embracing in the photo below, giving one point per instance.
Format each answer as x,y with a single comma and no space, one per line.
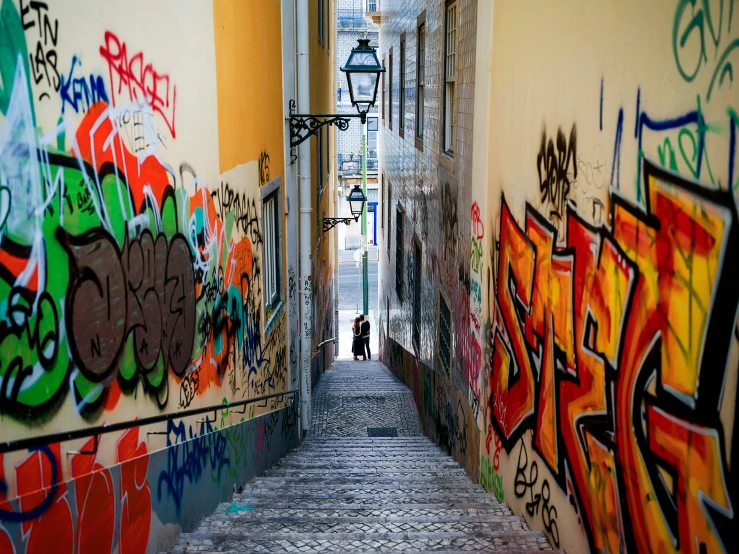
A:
361,338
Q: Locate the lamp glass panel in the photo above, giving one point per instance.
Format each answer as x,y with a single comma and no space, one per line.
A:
364,85
362,59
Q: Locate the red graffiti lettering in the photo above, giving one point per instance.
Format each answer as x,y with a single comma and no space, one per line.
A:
139,79
135,493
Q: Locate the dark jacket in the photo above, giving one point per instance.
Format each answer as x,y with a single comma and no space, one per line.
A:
365,329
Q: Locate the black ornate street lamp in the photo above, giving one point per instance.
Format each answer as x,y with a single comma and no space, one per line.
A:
362,74
356,200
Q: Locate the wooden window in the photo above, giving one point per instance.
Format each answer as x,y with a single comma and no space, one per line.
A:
420,73
390,92
384,92
382,201
417,295
389,214
399,254
401,79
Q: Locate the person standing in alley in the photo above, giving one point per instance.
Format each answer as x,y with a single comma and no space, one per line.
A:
357,342
365,334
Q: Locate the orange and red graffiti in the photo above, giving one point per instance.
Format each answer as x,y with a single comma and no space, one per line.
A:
51,521
612,344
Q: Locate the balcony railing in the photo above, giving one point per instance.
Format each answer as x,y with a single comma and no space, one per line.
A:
371,5
351,164
353,19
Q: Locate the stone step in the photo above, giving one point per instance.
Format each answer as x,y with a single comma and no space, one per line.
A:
364,440
387,502
250,527
341,448
373,464
401,542
364,472
363,456
362,494
346,445
345,497
354,513
377,479
421,488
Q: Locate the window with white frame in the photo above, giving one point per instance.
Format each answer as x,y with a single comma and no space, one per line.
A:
272,248
450,72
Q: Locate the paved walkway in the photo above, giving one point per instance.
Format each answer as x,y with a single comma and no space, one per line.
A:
344,491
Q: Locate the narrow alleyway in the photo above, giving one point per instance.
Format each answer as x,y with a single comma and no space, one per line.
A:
346,491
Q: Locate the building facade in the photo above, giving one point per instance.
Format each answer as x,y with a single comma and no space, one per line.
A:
559,256
426,182
149,300
352,25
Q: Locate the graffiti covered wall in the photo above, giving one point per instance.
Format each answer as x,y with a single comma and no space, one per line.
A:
425,252
131,264
609,284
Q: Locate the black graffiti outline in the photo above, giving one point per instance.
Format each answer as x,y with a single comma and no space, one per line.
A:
715,348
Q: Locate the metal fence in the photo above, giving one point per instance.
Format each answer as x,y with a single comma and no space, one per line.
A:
353,19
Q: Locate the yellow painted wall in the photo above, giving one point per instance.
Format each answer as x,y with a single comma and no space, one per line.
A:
144,138
613,132
249,78
322,100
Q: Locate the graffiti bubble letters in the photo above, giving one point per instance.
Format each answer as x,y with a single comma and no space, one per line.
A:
139,79
35,15
149,289
81,92
557,167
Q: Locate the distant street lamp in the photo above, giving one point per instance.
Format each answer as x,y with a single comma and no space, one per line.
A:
356,199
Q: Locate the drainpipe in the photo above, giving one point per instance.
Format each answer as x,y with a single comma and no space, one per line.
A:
306,242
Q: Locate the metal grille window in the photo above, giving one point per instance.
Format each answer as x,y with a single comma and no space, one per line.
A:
450,68
420,71
445,334
401,108
417,295
399,254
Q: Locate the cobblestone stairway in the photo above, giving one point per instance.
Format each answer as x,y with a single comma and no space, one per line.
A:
343,491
